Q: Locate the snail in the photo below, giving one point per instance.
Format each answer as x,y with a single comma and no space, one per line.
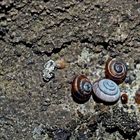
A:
81,89
124,98
60,63
106,91
115,70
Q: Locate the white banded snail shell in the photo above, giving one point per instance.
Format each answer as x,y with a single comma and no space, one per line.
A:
106,91
116,70
81,89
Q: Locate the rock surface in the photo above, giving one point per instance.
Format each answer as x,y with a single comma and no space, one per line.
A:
84,33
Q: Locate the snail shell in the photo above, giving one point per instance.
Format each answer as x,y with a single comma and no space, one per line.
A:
81,89
124,98
106,91
116,70
60,64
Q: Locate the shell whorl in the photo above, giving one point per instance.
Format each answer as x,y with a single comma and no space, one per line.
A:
116,70
106,90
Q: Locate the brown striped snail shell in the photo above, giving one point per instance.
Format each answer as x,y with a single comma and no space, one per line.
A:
81,89
115,70
106,91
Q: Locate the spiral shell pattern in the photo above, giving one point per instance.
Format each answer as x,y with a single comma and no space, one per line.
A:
116,70
81,88
106,90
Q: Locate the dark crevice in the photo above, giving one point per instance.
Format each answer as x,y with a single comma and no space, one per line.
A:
85,40
57,50
46,0
2,39
54,51
107,45
37,52
98,6
99,40
29,45
3,31
104,44
128,136
112,130
110,44
5,8
125,136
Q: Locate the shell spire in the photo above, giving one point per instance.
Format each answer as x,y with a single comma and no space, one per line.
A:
115,70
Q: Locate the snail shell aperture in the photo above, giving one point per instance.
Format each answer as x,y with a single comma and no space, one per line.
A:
81,89
106,91
116,70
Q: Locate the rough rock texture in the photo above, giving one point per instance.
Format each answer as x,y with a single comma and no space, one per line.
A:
82,32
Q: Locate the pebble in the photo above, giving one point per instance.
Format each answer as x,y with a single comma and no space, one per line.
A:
138,66
61,134
129,79
48,72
